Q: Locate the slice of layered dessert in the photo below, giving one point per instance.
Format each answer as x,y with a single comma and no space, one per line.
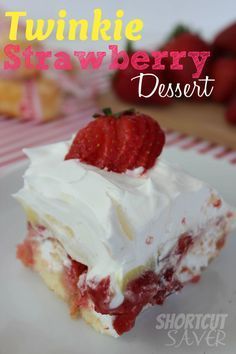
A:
112,228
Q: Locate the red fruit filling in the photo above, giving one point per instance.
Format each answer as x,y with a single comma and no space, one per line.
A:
196,279
183,244
148,288
221,242
24,252
71,277
217,203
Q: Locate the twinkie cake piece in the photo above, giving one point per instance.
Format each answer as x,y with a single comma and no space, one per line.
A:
112,228
29,92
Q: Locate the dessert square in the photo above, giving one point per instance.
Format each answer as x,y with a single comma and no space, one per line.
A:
112,227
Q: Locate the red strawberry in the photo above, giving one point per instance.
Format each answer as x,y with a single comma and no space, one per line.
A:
223,70
119,142
225,41
230,114
183,40
127,90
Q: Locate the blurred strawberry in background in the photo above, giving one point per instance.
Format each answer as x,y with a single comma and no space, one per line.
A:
127,90
231,111
221,66
225,41
183,39
223,70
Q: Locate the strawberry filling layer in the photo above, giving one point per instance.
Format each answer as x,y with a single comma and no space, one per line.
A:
148,288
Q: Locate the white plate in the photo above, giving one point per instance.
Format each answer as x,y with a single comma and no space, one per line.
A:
34,321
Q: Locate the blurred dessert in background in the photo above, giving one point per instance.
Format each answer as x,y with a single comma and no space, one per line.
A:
28,93
38,98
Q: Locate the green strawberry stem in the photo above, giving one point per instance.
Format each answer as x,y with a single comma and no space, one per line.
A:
127,112
178,30
107,111
129,47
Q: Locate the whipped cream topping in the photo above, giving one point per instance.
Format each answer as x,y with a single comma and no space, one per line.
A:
115,223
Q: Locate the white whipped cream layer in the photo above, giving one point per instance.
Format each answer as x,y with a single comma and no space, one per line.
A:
113,222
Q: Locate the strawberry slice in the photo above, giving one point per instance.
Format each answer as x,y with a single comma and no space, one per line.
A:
108,146
83,148
158,142
129,141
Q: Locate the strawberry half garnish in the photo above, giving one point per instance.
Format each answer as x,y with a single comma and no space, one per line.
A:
119,142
